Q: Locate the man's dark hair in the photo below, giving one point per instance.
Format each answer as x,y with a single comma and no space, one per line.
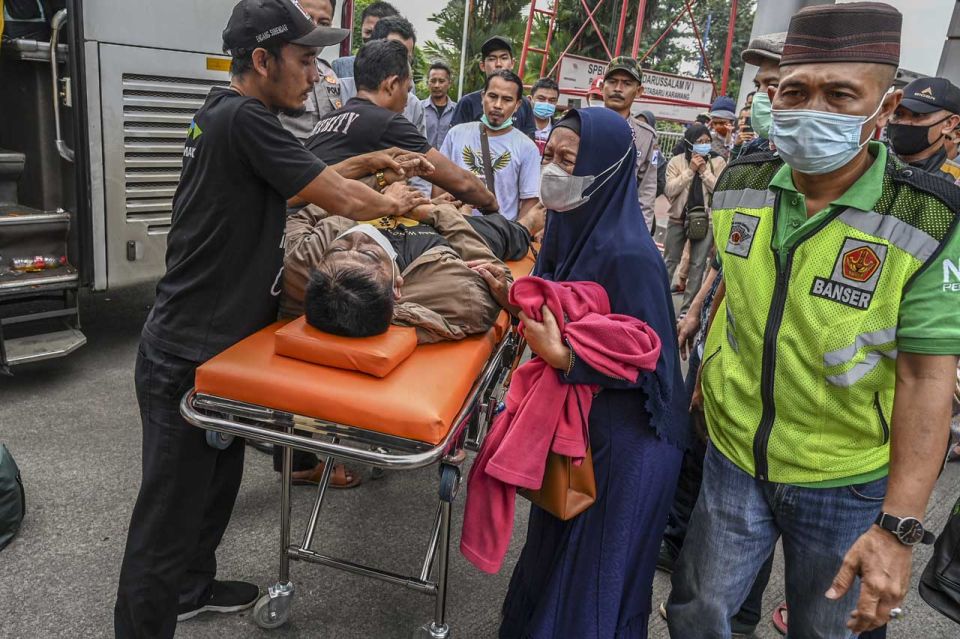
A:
242,63
377,61
509,76
443,66
394,24
348,301
379,10
545,83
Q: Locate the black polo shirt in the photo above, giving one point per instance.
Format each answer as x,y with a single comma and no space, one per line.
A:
225,248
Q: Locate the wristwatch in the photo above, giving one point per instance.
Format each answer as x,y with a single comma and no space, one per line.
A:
908,530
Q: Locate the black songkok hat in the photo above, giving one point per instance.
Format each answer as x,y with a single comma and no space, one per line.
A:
854,32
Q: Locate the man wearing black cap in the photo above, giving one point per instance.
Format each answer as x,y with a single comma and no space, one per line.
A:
830,361
918,130
223,279
496,55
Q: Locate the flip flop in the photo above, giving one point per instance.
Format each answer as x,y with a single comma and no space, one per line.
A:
340,478
780,618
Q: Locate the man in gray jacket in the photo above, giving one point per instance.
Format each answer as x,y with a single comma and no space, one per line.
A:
622,84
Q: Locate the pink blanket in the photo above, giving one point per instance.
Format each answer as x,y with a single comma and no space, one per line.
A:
544,412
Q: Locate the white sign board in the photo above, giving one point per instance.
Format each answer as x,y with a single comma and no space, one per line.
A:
661,91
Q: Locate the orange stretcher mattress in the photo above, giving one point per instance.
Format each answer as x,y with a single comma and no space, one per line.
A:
418,400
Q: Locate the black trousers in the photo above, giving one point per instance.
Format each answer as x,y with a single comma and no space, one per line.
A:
506,239
185,502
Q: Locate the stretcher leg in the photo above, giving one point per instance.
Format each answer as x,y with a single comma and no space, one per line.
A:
321,491
449,485
432,548
273,609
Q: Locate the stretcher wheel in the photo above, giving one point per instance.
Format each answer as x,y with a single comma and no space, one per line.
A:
449,482
271,612
220,441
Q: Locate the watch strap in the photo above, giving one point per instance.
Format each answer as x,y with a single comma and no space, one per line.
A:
891,523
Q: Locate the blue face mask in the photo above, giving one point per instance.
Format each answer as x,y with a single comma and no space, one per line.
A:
506,123
544,110
701,149
818,142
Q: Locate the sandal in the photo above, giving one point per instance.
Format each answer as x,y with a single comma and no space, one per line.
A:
341,477
780,618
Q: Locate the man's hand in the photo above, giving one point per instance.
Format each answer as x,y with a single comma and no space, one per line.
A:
406,197
883,565
545,340
697,163
687,329
745,137
496,278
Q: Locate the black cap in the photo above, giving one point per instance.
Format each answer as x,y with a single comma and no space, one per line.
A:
496,43
927,95
256,23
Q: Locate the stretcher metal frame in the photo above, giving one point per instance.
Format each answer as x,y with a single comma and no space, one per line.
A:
334,441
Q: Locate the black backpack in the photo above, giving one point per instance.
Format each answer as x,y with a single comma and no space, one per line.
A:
13,503
940,582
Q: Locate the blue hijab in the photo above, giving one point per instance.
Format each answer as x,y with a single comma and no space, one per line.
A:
605,240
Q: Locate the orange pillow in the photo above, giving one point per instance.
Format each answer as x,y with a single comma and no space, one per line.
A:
375,356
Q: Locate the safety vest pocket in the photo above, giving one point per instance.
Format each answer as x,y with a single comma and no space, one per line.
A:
884,425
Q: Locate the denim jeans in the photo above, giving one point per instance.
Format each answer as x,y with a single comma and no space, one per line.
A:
734,528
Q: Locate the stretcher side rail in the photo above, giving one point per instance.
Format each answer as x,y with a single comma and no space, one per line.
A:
348,442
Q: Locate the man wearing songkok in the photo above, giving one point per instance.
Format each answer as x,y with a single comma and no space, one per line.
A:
830,363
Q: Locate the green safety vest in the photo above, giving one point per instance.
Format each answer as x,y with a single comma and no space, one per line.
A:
799,365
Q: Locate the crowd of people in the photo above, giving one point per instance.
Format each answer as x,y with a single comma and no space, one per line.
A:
818,317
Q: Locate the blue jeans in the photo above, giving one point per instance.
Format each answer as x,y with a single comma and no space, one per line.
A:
734,528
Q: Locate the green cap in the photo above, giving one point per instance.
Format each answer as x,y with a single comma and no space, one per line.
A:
626,64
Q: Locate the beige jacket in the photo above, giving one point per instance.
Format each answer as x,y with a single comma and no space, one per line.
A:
679,177
441,296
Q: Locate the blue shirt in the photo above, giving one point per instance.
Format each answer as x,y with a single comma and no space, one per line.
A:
437,123
343,67
470,109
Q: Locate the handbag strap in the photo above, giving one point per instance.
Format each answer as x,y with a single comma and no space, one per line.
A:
487,167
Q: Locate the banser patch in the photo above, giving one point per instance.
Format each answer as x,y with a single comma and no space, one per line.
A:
742,232
855,274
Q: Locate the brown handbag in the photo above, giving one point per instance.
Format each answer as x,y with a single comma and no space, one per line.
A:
567,490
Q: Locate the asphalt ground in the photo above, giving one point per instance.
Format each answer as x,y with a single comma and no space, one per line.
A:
73,426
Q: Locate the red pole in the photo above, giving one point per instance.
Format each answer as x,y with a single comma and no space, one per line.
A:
623,25
596,27
346,22
526,37
546,46
637,30
729,52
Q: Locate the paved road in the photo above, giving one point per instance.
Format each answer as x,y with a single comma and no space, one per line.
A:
73,426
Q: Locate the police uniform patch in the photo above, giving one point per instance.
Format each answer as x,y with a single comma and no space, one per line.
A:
856,272
742,231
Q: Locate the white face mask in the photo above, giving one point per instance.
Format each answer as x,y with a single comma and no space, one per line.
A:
560,191
375,235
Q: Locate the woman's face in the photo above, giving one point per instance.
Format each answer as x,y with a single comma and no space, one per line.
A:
703,139
562,149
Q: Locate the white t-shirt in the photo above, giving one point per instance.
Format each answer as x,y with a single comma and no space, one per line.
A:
513,156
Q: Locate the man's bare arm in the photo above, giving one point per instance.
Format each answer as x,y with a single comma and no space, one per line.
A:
355,200
919,432
462,184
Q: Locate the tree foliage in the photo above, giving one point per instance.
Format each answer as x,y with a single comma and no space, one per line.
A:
677,53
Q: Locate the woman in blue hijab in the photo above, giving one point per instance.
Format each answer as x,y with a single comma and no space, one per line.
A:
592,577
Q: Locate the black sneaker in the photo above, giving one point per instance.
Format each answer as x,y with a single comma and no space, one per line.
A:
667,558
225,596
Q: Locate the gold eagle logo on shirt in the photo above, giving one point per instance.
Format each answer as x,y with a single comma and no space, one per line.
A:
474,161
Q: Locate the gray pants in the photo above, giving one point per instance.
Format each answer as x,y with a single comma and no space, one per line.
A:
673,243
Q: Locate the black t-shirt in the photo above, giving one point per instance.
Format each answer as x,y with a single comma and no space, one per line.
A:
410,242
225,248
360,126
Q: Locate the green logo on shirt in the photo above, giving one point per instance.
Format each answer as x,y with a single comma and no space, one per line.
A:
194,131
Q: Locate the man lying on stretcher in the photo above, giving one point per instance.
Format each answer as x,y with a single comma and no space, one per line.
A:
356,279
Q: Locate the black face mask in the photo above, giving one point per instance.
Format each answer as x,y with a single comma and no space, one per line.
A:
909,139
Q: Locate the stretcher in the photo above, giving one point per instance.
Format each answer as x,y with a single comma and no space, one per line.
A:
413,407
